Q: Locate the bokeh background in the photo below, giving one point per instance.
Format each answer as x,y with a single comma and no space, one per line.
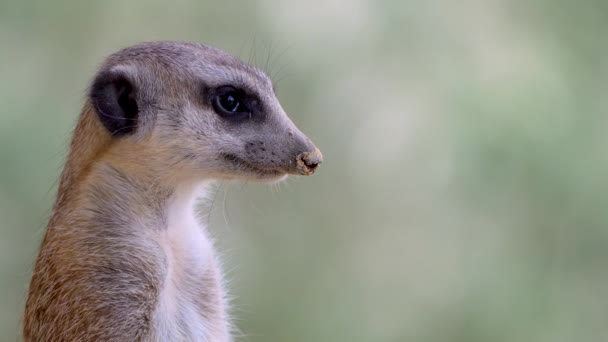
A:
464,191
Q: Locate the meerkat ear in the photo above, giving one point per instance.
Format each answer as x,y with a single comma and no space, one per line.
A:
115,99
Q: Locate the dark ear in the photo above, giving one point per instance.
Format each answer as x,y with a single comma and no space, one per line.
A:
114,97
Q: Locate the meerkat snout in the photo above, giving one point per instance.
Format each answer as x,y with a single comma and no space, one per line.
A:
308,162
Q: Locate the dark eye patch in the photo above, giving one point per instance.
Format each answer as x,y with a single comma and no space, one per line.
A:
229,101
235,104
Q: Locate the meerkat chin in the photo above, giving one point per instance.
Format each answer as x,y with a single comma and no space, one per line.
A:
124,257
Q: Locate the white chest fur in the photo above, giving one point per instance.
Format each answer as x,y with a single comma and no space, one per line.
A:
190,304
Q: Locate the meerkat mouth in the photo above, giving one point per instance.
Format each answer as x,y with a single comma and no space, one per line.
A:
242,163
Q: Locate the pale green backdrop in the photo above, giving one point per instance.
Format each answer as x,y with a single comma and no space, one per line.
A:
464,191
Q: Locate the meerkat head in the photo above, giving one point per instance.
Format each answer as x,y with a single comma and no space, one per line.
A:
196,109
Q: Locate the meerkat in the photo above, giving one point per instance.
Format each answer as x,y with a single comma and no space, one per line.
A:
124,257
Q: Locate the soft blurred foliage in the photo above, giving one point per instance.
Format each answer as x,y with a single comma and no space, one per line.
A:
463,190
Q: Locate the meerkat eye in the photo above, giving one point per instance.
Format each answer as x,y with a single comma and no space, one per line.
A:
229,101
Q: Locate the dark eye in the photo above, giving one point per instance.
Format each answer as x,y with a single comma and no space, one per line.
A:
229,101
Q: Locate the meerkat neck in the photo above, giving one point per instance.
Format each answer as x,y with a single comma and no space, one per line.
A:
125,169
139,207
183,302
90,140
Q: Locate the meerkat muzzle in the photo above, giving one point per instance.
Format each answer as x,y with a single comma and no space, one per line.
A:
308,162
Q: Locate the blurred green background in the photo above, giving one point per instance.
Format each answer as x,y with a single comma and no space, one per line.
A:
464,187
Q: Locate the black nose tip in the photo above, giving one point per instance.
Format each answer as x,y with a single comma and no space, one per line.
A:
308,162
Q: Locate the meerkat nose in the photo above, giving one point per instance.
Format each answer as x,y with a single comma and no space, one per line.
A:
308,162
